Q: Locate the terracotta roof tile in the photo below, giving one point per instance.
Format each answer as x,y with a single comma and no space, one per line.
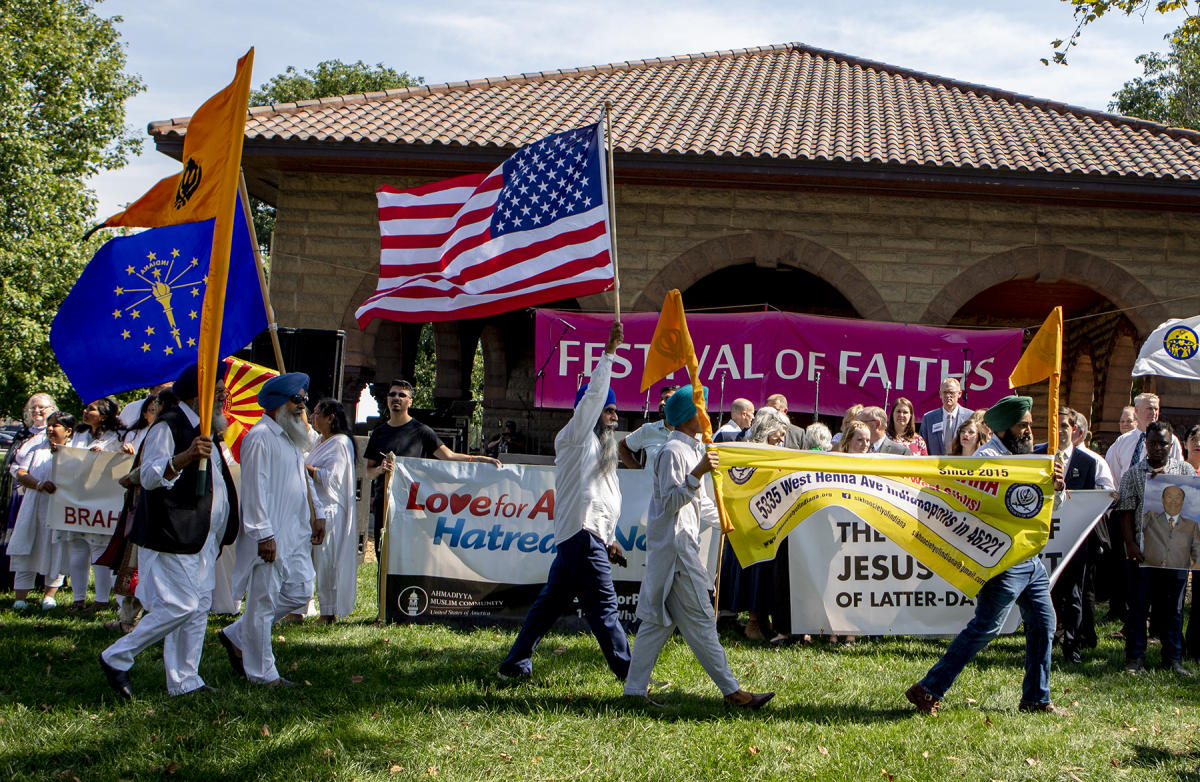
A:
791,102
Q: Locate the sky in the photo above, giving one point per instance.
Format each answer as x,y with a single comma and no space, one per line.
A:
186,50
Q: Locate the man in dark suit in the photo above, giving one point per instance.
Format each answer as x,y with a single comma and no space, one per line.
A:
1079,472
876,420
1171,541
939,427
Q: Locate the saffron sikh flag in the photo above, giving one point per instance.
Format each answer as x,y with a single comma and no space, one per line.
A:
965,519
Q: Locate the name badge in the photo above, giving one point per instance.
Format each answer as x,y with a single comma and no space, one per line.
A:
938,426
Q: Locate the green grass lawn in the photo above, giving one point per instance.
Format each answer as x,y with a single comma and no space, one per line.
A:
424,703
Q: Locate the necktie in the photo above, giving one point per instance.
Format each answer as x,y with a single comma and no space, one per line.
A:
1137,449
1171,522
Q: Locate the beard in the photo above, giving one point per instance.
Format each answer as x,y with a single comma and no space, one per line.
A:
608,450
293,427
219,422
1017,445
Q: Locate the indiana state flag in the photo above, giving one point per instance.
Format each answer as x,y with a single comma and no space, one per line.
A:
133,317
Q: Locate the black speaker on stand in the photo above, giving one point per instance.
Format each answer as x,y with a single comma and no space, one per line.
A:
318,353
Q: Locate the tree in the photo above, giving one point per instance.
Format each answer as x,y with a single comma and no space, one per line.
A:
1089,11
1168,91
63,89
329,78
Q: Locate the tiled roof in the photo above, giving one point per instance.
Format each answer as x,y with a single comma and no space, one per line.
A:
787,102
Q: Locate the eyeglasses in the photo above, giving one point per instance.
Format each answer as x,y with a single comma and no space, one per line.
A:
299,399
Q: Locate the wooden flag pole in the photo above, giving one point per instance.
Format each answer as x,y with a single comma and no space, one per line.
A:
272,326
385,534
612,207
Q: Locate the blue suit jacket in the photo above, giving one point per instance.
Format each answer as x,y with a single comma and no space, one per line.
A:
931,429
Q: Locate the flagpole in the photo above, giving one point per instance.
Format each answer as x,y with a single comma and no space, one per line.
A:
612,206
272,325
381,559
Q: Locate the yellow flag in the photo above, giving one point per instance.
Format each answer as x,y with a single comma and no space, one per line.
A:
212,157
1042,360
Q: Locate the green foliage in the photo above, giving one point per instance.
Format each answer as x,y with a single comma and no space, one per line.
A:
329,78
426,371
63,89
1088,11
1168,91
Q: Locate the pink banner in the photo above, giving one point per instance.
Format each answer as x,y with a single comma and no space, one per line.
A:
832,363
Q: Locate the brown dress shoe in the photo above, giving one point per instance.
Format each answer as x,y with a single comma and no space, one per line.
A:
922,699
1048,708
748,700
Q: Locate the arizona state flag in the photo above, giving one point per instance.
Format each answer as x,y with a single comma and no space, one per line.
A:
243,381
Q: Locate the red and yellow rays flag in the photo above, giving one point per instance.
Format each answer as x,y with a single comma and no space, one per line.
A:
671,349
243,381
1042,360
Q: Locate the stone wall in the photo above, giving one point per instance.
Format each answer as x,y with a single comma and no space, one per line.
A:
903,259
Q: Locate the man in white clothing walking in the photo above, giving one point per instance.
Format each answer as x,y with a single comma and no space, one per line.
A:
274,555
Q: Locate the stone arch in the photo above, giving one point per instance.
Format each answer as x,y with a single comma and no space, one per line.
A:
770,249
1050,264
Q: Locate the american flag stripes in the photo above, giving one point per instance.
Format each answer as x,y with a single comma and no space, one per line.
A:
532,231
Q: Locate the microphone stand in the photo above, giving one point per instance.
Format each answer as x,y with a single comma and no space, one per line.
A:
966,371
817,400
540,377
721,403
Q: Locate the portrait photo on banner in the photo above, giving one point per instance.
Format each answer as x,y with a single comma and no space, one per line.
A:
1171,534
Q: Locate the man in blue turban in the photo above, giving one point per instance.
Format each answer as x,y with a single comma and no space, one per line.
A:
675,589
274,556
587,503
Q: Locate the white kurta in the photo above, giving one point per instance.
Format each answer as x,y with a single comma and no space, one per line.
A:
21,457
275,494
176,589
336,559
674,591
584,499
32,547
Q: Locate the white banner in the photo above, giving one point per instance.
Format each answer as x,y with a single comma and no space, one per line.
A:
1173,350
87,497
848,578
471,542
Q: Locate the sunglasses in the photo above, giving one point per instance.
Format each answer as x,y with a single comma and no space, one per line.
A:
298,399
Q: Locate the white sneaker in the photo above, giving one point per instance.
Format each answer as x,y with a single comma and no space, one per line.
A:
20,605
49,603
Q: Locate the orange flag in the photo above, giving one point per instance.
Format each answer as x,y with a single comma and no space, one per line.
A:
671,349
1042,360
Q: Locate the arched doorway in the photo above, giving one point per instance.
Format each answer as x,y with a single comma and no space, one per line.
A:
751,286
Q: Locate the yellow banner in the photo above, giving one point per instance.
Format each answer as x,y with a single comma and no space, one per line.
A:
965,519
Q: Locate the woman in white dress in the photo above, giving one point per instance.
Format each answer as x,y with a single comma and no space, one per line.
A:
32,549
37,409
331,464
100,430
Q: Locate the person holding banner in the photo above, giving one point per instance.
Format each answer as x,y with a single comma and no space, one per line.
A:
274,567
1025,584
675,591
587,505
32,549
179,528
1151,586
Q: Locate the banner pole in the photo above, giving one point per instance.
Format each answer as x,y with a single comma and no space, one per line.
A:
381,557
272,326
612,208
717,580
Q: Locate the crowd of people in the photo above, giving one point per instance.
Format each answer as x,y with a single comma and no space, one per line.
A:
192,540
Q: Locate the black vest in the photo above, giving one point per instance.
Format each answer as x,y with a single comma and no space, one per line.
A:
176,520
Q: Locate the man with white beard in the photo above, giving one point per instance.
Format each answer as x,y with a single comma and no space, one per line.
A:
587,504
179,532
274,556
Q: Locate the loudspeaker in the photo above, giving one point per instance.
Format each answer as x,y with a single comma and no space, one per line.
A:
318,353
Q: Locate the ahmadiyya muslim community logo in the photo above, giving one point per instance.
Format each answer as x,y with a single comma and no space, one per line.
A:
172,286
1181,343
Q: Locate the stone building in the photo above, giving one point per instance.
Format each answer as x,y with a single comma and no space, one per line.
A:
805,179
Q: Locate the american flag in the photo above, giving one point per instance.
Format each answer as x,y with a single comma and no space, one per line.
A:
532,231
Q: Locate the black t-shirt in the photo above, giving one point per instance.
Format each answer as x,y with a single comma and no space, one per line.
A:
412,439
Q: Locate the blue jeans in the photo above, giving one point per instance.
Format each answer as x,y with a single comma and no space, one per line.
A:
1027,585
1163,589
580,569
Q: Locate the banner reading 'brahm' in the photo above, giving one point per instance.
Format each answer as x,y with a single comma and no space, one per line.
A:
964,519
